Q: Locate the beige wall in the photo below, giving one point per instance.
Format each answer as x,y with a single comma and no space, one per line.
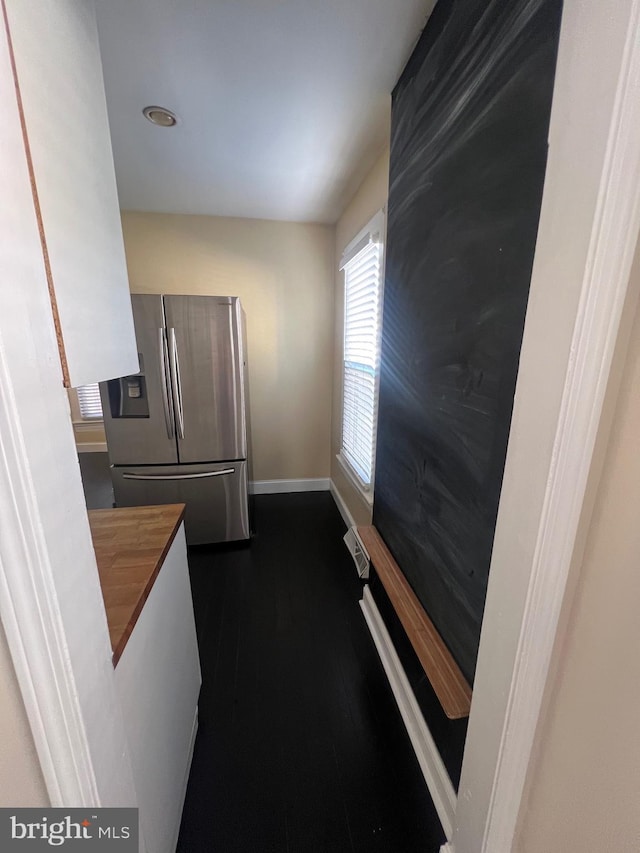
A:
89,434
21,782
283,274
584,781
370,197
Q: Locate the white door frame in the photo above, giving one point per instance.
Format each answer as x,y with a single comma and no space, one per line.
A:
50,600
589,226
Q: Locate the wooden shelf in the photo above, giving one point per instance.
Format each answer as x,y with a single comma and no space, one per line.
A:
443,672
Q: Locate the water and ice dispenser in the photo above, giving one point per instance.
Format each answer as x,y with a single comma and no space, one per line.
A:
128,395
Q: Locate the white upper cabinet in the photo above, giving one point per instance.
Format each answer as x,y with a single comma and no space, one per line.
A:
59,78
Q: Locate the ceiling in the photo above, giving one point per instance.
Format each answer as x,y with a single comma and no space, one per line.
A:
283,104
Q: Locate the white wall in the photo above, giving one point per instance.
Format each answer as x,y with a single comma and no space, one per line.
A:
283,274
585,776
21,782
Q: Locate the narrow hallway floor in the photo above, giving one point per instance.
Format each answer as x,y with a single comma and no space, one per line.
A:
300,746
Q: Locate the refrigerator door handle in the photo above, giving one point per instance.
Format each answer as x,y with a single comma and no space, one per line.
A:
164,371
131,476
175,380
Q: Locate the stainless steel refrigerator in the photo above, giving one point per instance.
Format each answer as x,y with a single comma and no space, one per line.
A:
177,431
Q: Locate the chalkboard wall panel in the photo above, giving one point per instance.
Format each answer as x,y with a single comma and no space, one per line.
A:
468,153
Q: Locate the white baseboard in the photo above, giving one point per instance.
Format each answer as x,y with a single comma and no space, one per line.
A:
431,764
343,509
277,487
91,447
447,848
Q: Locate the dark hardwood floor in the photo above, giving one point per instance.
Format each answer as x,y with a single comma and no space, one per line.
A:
300,747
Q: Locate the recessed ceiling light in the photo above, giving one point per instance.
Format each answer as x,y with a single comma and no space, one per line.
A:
160,116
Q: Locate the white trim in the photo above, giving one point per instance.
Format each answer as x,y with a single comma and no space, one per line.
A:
448,848
431,764
365,492
376,230
277,487
91,447
373,232
613,241
605,287
34,624
343,509
30,608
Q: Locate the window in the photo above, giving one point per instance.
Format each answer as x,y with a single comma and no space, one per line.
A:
362,265
89,402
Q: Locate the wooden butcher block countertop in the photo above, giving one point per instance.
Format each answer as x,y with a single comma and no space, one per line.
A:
130,544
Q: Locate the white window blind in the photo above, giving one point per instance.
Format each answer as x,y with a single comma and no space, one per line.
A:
89,402
362,316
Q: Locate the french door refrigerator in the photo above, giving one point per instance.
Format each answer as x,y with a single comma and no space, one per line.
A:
177,430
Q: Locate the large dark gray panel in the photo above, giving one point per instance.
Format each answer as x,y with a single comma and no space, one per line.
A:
469,144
